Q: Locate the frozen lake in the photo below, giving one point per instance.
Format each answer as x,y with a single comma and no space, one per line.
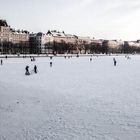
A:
75,99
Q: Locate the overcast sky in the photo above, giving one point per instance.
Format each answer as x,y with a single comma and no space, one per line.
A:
107,19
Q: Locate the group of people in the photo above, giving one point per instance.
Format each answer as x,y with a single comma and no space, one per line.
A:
127,56
27,70
68,57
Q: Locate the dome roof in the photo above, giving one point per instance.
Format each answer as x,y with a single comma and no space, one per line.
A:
39,34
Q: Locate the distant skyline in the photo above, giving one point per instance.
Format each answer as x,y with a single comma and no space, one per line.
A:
102,19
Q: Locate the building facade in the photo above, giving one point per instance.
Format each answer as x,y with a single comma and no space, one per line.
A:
12,41
4,31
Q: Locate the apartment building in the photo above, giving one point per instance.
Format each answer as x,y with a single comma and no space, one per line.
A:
40,42
19,36
60,37
11,39
83,40
4,31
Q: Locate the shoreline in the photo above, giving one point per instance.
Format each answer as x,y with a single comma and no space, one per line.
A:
58,55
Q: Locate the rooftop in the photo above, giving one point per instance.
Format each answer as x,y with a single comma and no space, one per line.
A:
3,23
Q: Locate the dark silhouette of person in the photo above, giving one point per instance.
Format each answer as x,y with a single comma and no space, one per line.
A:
50,64
115,62
35,69
1,62
90,59
27,70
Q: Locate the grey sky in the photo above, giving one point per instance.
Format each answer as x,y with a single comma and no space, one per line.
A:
108,19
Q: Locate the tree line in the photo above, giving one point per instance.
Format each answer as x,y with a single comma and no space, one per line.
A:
62,47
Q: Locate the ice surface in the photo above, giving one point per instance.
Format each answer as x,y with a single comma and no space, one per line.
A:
75,99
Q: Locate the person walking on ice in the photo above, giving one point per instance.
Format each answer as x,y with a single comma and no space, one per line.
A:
115,62
27,70
50,64
1,62
35,69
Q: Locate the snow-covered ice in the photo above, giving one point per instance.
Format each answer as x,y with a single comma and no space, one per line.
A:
75,99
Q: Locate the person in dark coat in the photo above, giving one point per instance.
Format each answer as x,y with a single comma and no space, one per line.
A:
115,62
1,62
50,64
27,70
35,69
